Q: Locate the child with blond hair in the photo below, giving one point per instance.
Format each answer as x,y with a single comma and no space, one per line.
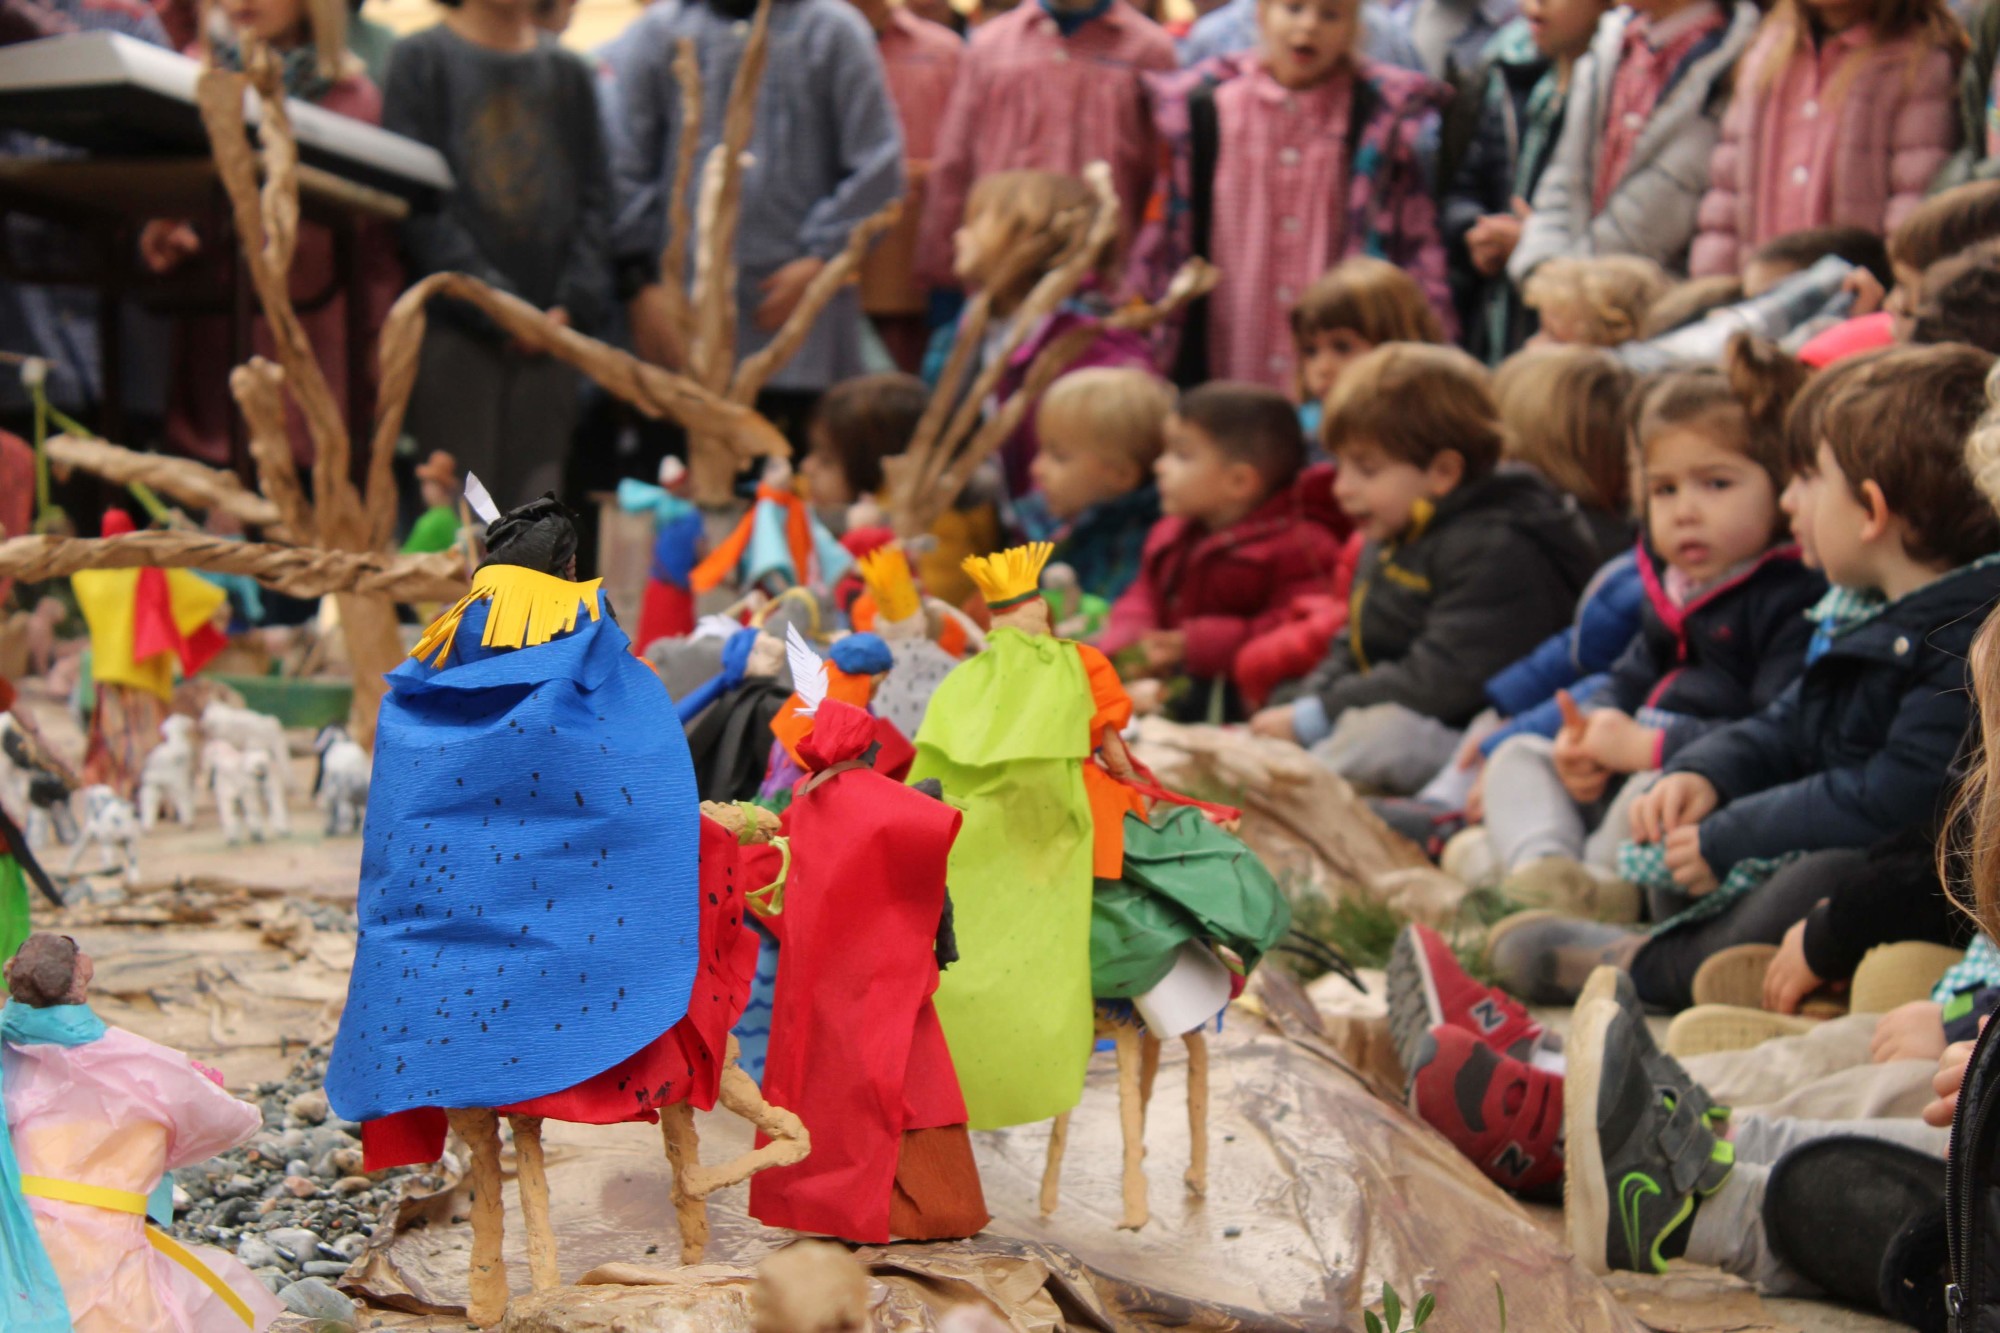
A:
1600,302
1101,431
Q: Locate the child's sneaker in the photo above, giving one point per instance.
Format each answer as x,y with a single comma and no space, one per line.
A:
1427,989
1544,957
1506,1116
1469,858
1637,1143
1574,889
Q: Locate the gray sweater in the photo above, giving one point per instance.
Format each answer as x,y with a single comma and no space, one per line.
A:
532,211
1651,211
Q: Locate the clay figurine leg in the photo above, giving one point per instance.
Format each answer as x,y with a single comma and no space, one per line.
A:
1052,1173
1132,1124
532,1180
684,1154
789,1141
1197,1076
481,1131
1149,1068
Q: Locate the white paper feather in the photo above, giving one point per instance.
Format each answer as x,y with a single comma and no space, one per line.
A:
482,503
808,672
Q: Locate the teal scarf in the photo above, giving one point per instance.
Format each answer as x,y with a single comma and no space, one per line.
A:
31,1299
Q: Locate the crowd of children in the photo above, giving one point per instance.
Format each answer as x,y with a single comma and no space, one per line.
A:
1586,450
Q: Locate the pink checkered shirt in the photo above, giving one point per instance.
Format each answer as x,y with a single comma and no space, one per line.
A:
1798,136
1029,98
921,61
1280,216
1652,52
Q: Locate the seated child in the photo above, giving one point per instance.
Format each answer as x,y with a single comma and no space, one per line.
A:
1796,251
1466,568
1352,308
859,423
1862,743
1094,495
1722,633
1564,409
1601,301
1238,545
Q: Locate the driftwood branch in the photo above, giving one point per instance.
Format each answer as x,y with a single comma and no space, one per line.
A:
756,372
715,306
294,570
650,389
687,152
193,484
259,387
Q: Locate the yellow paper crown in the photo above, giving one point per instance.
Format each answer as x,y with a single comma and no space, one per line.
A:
1011,577
886,570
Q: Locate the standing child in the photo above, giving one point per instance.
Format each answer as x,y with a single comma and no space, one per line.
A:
1645,110
1523,95
1011,238
1723,632
1236,549
1051,85
515,116
1306,155
1465,569
1843,113
1351,309
1101,434
1860,745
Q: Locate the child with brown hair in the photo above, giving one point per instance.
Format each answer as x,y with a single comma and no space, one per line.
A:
1723,631
1466,567
856,427
1564,409
1601,302
1351,309
1017,225
1752,818
1843,113
1239,544
1101,432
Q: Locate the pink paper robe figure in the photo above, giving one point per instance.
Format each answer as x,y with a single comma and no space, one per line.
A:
95,1118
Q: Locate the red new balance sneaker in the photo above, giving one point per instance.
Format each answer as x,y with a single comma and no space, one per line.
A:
1504,1115
1428,988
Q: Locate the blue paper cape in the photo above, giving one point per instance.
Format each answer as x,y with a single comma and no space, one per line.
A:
527,906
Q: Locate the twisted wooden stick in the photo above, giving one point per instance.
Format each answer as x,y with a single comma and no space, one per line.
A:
715,286
687,151
193,484
294,570
755,372
259,387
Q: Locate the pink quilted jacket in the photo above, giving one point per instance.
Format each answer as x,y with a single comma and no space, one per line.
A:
1898,123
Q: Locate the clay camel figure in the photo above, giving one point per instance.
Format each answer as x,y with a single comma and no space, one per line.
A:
692,1182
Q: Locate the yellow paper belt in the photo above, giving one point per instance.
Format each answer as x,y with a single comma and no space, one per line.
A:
126,1201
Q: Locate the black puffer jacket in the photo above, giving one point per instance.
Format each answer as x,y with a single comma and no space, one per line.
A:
1861,744
1496,569
1726,654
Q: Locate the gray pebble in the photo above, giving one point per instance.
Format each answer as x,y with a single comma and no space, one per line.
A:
314,1299
302,1244
326,1268
256,1252
272,1278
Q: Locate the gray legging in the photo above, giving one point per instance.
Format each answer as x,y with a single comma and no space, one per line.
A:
1665,966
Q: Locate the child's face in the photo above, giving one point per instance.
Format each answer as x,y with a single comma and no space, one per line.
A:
1708,507
1200,482
1562,28
1835,518
1324,356
1305,40
1901,302
1793,501
1380,492
825,476
1839,15
275,22
976,247
1072,476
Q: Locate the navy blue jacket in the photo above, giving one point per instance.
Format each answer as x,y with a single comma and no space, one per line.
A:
1861,744
1725,655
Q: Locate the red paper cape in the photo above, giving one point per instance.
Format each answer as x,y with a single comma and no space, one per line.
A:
856,1048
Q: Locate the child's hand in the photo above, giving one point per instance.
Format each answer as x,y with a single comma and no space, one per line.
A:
166,243
1685,861
1583,777
1788,980
1620,744
1491,241
1165,649
783,290
1913,1031
1276,723
1475,800
1147,696
1676,800
1950,1078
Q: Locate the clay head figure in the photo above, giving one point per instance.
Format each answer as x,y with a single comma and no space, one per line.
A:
49,970
538,535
